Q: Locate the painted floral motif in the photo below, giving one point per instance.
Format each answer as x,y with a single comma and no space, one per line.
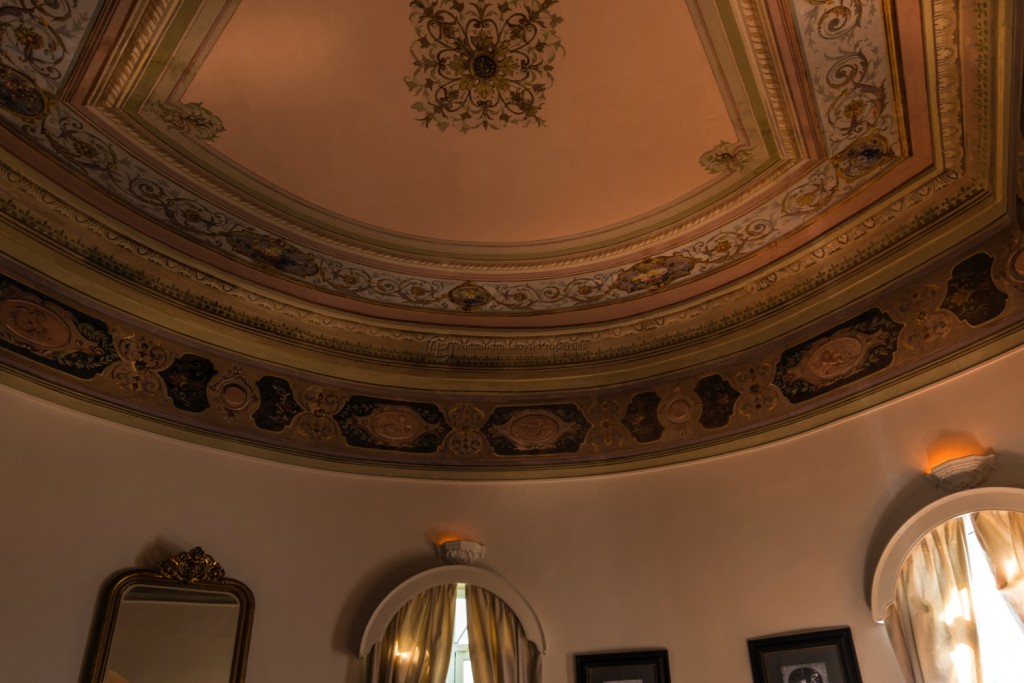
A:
653,272
482,64
844,354
84,150
971,295
40,36
272,252
186,380
925,323
725,156
465,439
191,119
392,425
717,398
142,359
319,405
608,431
757,394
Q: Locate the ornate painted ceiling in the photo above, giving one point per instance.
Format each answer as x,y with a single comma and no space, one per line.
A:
517,238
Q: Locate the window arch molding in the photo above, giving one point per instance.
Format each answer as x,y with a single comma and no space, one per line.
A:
440,576
883,585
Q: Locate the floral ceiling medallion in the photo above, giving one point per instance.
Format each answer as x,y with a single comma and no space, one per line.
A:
482,64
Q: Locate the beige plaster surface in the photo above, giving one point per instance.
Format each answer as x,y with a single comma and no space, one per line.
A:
313,98
694,558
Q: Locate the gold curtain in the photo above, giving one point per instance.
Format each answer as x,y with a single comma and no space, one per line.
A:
1001,534
499,651
417,644
931,620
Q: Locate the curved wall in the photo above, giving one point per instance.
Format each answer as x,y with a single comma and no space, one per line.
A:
695,558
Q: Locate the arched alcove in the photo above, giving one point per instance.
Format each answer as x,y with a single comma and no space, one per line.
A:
883,585
453,574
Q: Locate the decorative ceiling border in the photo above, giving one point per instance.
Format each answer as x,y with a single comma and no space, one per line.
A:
958,307
85,236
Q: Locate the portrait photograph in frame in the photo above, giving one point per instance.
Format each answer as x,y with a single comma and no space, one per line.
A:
812,657
641,666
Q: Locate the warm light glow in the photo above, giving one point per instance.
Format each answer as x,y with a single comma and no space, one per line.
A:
405,655
952,445
963,661
954,609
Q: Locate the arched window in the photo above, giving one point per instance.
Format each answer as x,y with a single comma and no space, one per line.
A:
413,635
950,589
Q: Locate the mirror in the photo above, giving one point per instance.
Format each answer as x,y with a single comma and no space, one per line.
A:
183,621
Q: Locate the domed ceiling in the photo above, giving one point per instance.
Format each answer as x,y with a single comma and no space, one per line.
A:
515,238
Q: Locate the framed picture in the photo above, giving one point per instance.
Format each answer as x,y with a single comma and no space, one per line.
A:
814,657
646,666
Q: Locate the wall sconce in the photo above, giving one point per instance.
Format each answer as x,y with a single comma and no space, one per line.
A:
964,472
958,461
460,552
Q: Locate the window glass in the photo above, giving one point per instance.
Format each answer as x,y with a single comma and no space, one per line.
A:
999,636
459,669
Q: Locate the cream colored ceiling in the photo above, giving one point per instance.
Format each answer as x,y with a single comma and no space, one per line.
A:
723,222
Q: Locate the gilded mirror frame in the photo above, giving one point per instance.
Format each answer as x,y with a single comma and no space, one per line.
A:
191,570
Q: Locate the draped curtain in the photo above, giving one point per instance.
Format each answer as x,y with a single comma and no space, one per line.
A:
499,651
417,643
931,620
1001,534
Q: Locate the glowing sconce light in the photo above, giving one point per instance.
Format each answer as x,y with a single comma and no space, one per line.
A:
958,461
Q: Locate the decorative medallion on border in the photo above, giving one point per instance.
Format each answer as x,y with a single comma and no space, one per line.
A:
482,64
62,338
392,425
536,430
855,349
191,119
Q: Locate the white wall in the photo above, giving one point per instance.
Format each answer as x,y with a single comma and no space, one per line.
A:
695,558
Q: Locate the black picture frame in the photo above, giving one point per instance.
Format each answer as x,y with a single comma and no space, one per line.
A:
647,666
825,656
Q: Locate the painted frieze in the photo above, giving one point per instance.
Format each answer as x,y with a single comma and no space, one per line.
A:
846,353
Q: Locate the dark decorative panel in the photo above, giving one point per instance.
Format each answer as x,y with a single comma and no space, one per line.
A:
717,398
187,379
641,418
62,338
392,425
842,355
277,404
971,295
536,430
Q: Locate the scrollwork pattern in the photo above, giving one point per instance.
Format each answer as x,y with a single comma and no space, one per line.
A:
193,566
850,74
482,64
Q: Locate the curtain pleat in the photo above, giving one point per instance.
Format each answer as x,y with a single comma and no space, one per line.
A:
931,619
499,651
1001,534
417,643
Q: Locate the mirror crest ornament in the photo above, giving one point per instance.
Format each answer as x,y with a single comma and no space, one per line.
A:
183,620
